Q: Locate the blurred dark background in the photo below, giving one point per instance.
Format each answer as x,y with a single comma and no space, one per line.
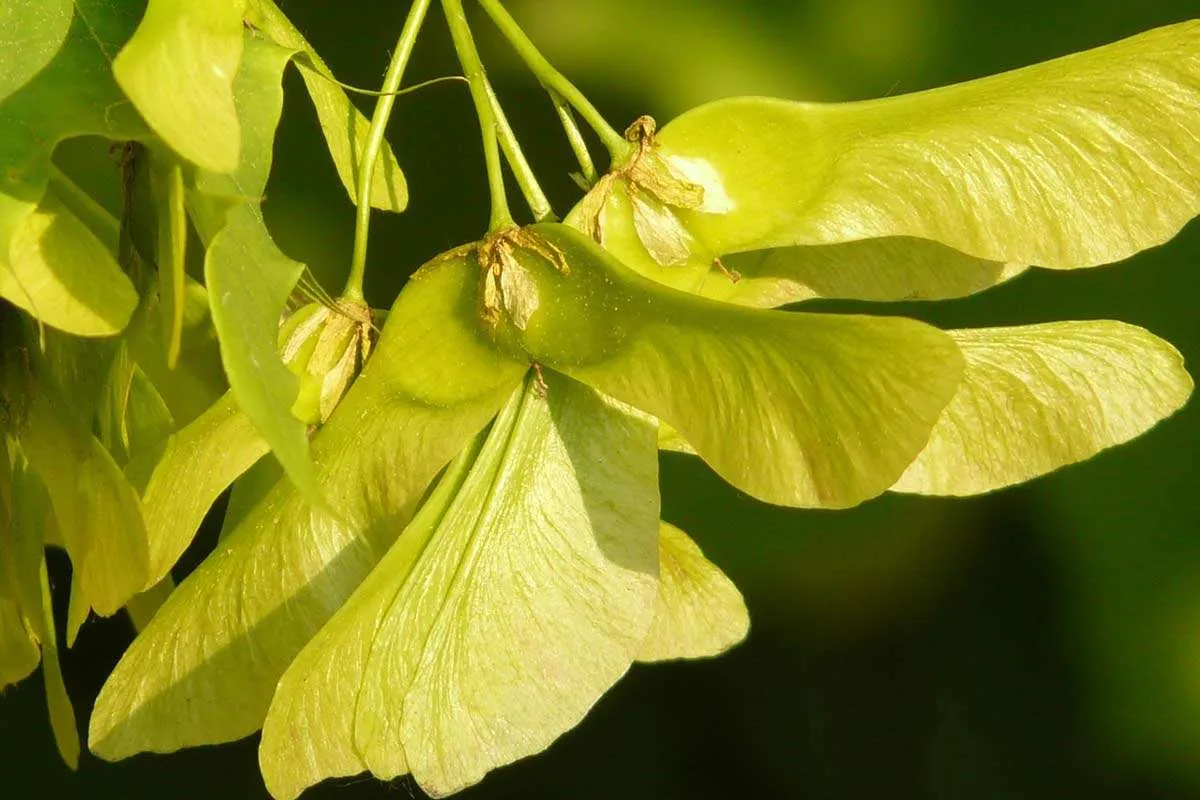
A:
1042,642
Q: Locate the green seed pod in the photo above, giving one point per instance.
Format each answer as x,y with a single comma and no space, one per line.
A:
325,346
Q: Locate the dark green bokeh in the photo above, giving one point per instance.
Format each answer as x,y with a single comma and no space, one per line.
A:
1043,642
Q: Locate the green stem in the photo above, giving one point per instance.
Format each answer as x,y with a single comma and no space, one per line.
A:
554,81
468,57
371,151
575,137
538,203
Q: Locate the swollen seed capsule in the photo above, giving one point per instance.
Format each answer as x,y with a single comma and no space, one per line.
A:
325,346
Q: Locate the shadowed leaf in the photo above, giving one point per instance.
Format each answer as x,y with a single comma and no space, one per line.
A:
73,95
235,624
492,628
248,278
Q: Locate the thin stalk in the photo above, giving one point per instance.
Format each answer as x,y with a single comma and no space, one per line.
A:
553,80
374,144
352,89
538,203
587,168
468,57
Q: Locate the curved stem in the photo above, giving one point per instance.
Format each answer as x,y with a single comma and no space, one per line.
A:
575,137
538,203
554,81
468,57
374,144
303,59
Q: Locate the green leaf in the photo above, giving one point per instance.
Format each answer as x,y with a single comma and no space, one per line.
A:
74,95
344,126
492,627
27,633
150,425
880,270
190,387
828,409
258,95
249,282
200,462
78,609
31,32
248,278
167,180
235,624
1039,397
700,612
179,68
134,421
7,456
98,513
1076,162
24,543
62,713
19,655
62,274
198,380
347,639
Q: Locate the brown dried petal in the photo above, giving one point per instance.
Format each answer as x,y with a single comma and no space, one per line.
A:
520,294
656,175
660,231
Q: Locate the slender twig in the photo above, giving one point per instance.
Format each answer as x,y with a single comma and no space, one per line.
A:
472,65
374,144
554,81
587,168
530,188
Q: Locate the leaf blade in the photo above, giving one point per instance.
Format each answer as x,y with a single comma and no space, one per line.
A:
238,621
700,613
200,462
196,47
874,270
62,712
98,513
1039,397
1075,162
249,281
63,275
72,95
248,278
496,688
554,531
31,33
389,190
169,195
830,409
